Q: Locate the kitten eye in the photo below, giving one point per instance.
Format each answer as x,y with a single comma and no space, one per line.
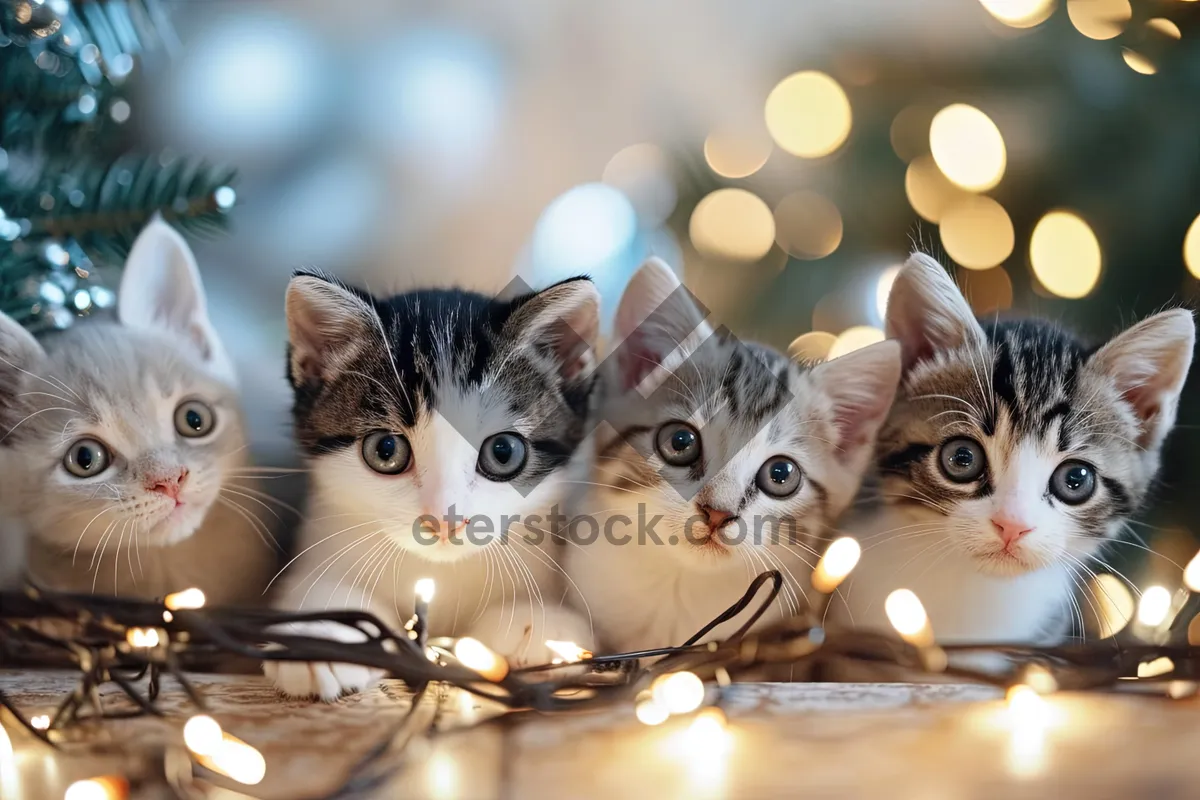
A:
779,477
502,456
678,443
385,452
85,458
962,460
1074,482
194,419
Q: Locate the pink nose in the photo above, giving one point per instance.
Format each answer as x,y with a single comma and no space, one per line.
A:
715,517
1010,530
169,484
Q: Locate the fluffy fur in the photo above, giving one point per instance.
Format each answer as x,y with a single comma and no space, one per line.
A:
996,557
443,371
717,527
169,511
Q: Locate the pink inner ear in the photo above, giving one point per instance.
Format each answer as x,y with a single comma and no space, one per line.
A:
637,360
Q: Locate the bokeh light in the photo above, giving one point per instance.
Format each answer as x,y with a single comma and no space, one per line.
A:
583,230
643,173
807,225
1191,248
968,147
909,132
1164,26
1099,19
883,290
732,224
1020,13
737,154
929,191
1138,62
1154,606
811,347
1065,254
977,232
855,338
808,114
988,290
1114,604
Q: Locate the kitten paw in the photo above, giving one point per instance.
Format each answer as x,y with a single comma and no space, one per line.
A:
325,681
520,636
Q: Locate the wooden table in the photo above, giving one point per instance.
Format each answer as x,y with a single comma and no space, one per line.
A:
924,742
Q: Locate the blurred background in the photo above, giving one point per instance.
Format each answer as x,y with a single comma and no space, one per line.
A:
783,155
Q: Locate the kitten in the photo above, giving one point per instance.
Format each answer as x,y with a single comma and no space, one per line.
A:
417,407
122,444
743,457
1012,455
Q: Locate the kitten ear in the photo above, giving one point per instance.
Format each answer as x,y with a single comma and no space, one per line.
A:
656,315
562,321
861,386
1149,364
161,291
20,354
926,312
328,324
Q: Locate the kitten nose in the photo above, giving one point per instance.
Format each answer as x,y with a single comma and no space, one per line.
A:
716,517
1010,530
169,484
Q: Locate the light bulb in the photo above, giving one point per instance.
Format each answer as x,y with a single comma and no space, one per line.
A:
188,598
475,655
840,558
202,734
678,692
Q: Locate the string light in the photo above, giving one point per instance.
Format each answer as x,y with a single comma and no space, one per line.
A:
650,712
188,598
1154,606
732,224
237,760
1114,604
443,776
855,338
807,225
1065,254
202,735
977,232
968,147
1099,19
1040,679
1019,13
811,347
1191,248
475,655
142,637
41,722
678,692
908,617
808,114
567,652
109,787
1152,669
709,733
839,560
737,154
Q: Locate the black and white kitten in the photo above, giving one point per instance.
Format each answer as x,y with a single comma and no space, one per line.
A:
1012,454
440,427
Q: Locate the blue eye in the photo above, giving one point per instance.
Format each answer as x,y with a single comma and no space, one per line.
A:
385,452
779,476
1074,482
962,460
502,457
678,443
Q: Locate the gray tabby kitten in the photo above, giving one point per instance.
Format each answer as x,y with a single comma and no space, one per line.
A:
716,461
440,427
1012,455
122,445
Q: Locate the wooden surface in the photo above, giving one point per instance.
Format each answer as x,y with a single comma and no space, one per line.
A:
899,741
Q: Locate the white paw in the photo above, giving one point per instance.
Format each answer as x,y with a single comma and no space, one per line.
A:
318,679
520,635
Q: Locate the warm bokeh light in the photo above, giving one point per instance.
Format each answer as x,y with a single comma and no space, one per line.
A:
203,735
1164,26
909,132
808,114
443,776
883,290
839,560
1191,574
811,347
807,225
908,617
967,147
567,652
188,598
1099,19
109,787
1191,248
1114,605
709,733
650,712
475,655
928,190
855,338
40,722
1065,254
977,232
987,290
1020,13
1155,668
1154,606
678,692
1040,679
732,224
737,154
643,172
425,588
1138,62
237,760
142,637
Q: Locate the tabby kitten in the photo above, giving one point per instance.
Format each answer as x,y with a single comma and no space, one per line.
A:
440,427
122,451
716,461
1012,455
